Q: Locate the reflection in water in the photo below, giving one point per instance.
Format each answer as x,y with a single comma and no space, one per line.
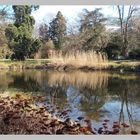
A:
79,79
92,101
94,95
91,90
5,80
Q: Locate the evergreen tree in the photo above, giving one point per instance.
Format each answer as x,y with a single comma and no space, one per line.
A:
57,30
4,49
19,34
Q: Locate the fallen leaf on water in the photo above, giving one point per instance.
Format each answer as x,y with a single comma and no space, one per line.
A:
104,124
106,120
100,130
105,127
115,131
83,129
125,125
87,121
116,126
134,132
80,118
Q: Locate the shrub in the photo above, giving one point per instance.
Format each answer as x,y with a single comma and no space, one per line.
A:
134,54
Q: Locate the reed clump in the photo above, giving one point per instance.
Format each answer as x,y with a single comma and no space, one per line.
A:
81,59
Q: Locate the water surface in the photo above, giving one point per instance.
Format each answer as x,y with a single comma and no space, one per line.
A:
93,95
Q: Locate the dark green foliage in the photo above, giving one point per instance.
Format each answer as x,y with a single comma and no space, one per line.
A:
19,34
57,30
134,53
113,48
112,51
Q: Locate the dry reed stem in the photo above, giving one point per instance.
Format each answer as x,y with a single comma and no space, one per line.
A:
80,59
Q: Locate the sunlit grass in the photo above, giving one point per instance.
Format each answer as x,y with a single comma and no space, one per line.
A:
29,63
77,60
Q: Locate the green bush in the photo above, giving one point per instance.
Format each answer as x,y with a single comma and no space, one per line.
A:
113,51
135,54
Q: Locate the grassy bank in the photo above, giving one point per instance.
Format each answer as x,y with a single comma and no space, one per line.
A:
91,61
61,65
28,64
124,65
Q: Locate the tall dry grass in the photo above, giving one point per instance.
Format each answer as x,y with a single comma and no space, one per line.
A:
80,59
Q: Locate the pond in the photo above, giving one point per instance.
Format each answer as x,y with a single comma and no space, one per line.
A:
96,96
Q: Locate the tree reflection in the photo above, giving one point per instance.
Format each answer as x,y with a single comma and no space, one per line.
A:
90,90
89,87
57,95
92,101
20,83
78,79
127,90
5,80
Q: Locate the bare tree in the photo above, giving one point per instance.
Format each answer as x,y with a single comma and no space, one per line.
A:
124,20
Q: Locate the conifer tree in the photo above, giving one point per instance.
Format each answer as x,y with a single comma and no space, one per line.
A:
57,30
19,34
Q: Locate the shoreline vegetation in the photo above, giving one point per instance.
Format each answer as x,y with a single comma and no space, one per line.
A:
80,60
24,114
48,64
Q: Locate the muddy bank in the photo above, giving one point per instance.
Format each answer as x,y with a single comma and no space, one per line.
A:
118,68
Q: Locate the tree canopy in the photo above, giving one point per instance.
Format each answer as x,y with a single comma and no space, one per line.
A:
89,33
57,30
19,34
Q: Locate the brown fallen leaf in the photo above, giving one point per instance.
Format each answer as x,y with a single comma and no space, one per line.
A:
100,130
106,120
116,126
80,118
125,125
115,131
104,124
134,132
